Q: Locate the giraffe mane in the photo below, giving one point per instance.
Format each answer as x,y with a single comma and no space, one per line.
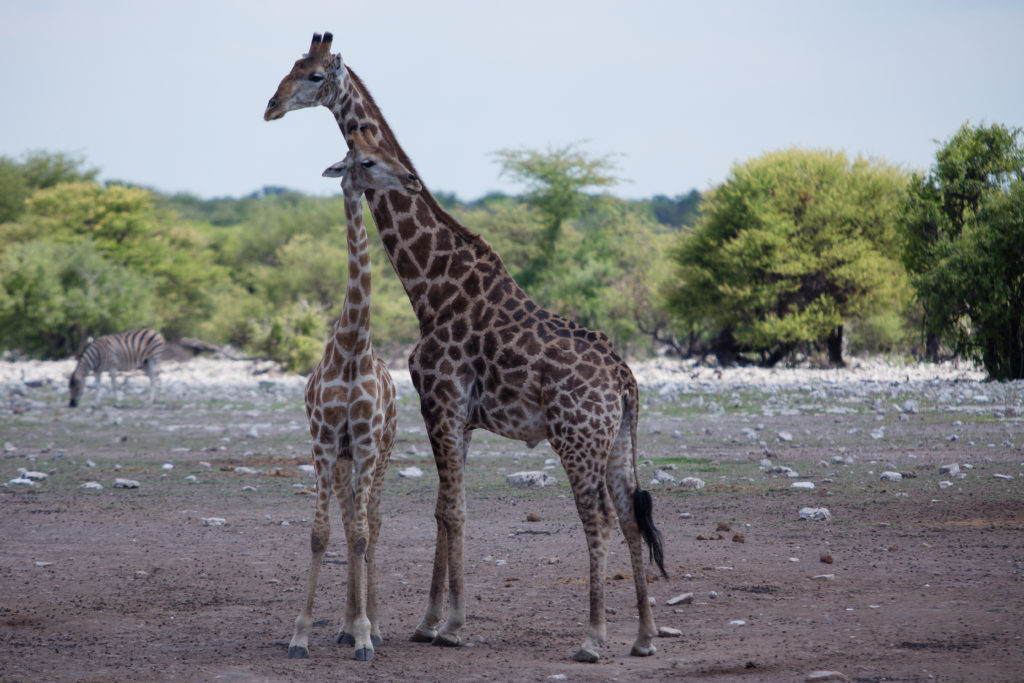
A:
435,208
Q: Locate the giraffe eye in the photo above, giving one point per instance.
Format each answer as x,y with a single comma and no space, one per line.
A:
316,77
368,163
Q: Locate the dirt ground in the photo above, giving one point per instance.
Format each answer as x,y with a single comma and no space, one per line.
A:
925,583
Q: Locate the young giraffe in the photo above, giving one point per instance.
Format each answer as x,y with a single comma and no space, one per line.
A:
350,404
489,357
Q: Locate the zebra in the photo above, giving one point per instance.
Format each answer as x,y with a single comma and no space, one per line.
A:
118,353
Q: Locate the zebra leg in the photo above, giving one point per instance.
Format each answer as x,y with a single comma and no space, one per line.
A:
153,372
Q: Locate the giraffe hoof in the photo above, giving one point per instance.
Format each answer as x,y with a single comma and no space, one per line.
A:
422,635
586,656
364,654
377,641
296,652
642,651
345,638
447,640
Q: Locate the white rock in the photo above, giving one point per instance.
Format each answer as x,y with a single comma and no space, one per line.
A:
910,407
820,676
34,476
91,485
205,465
191,478
535,478
951,468
815,514
662,477
808,485
307,468
691,483
891,476
213,521
824,577
557,677
945,484
681,599
90,463
120,483
411,472
737,622
1002,476
668,632
21,481
167,466
43,564
247,470
784,436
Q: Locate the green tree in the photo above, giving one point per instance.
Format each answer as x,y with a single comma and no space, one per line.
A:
791,248
554,181
39,170
55,294
976,163
963,231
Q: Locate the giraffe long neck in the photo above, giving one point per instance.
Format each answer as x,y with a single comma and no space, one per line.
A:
352,330
434,256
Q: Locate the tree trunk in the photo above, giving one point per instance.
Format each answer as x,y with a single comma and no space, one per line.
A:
834,345
931,347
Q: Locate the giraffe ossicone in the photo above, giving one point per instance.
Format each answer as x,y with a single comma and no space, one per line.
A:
350,405
489,357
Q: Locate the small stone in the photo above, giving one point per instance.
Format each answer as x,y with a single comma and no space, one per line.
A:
945,484
807,485
662,477
784,436
21,481
911,407
826,558
681,599
90,463
668,632
532,517
691,483
737,622
167,466
891,476
713,595
34,476
739,538
191,478
723,526
91,485
537,478
249,488
213,521
43,564
557,677
815,514
1002,476
9,447
824,577
951,468
140,574
411,472
820,676
120,483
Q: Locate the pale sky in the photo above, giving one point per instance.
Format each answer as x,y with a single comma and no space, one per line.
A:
171,94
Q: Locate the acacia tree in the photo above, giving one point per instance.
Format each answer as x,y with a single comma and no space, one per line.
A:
554,181
963,236
790,248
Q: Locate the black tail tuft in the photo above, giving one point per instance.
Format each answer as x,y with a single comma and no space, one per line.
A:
643,508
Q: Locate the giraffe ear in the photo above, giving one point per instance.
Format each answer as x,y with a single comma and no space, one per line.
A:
336,170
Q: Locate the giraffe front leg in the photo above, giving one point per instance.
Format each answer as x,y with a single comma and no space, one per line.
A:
298,648
427,629
452,515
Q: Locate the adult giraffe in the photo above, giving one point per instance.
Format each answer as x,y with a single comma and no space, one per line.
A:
489,357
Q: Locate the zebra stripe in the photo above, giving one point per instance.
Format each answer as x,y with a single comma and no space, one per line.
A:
114,353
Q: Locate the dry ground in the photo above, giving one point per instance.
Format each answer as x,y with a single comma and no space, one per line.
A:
123,584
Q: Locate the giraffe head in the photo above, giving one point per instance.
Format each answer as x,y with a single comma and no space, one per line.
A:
368,166
312,81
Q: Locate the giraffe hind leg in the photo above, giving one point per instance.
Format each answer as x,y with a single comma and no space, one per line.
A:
319,536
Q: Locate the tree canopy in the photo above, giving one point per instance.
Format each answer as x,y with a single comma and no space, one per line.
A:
790,248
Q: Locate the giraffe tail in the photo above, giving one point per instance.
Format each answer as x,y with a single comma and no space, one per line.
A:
643,504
